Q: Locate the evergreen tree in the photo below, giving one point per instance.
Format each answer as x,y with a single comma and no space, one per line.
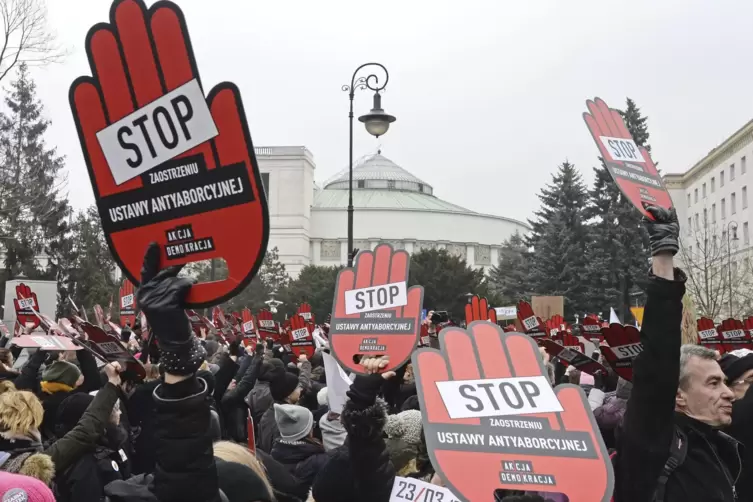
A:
509,278
559,239
315,285
33,207
619,254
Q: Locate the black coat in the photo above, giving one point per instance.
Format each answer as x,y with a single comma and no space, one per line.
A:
303,459
648,427
742,430
233,405
142,414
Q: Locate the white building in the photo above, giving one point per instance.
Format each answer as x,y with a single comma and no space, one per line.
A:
310,224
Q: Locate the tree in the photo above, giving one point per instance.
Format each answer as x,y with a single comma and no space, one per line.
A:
509,278
86,269
33,207
447,279
27,38
618,256
560,239
315,285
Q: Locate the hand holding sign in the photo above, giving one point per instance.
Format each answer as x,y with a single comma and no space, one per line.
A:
374,311
492,421
631,166
478,310
167,165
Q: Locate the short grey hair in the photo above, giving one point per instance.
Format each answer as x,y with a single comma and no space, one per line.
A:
689,351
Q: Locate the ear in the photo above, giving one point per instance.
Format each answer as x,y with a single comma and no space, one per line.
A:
680,399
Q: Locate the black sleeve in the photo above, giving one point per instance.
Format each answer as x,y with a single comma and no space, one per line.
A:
185,469
28,379
235,397
224,375
648,425
742,420
92,380
242,367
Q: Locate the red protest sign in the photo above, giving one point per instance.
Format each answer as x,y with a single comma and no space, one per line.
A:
248,326
197,323
733,335
631,166
374,312
531,323
304,310
624,345
708,336
591,328
110,349
301,338
167,164
570,351
251,433
99,315
222,324
267,325
45,342
489,414
477,309
127,304
26,304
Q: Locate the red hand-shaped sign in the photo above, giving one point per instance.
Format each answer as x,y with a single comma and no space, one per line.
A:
631,166
591,328
26,304
531,323
267,325
492,421
478,310
127,304
570,351
166,164
304,310
708,336
733,335
624,345
109,348
301,339
375,313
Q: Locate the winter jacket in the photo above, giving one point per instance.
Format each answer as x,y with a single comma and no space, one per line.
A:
224,375
333,431
303,459
259,400
28,378
142,414
233,405
268,430
711,466
742,430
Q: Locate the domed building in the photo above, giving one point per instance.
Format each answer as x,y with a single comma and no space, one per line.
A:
310,224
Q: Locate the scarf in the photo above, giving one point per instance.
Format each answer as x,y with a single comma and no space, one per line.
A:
53,387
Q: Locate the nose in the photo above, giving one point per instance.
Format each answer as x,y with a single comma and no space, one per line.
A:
727,393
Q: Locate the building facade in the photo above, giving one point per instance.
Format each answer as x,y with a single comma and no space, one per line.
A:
309,222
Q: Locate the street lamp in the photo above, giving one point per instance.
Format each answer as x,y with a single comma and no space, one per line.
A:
377,123
731,227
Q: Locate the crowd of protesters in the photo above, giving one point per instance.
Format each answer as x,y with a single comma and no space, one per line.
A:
70,431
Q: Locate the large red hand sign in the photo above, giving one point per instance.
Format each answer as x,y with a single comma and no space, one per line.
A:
624,345
375,313
492,421
532,324
570,351
109,348
127,304
167,165
26,304
631,166
301,339
478,310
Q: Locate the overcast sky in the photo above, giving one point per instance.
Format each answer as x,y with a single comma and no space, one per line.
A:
488,94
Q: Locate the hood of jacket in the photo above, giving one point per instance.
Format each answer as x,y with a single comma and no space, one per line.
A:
293,452
333,432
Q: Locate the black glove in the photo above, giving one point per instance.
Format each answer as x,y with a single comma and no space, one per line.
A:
663,230
161,296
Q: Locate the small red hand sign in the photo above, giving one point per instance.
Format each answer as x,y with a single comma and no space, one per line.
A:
375,313
489,414
708,336
167,164
127,304
301,338
631,166
478,310
532,324
591,328
304,310
26,304
733,335
267,325
624,346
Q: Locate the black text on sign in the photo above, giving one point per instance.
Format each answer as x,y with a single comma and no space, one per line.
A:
385,296
498,397
622,149
166,127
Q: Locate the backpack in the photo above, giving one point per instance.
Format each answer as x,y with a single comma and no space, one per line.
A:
677,453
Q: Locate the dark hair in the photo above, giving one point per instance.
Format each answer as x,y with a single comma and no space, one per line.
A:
6,358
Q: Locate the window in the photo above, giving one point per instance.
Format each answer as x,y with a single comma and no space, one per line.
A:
732,204
745,197
697,226
391,184
688,200
743,165
696,195
265,182
721,179
704,190
361,183
746,234
713,184
705,217
732,172
713,213
420,187
690,224
724,209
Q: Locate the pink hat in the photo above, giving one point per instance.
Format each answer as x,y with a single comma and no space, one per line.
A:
18,488
586,379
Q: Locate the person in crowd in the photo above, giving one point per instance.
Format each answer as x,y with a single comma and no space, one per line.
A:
332,429
6,365
739,374
285,388
19,488
610,414
296,448
404,431
679,399
234,409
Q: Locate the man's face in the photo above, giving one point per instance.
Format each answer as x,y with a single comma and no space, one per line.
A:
741,385
705,397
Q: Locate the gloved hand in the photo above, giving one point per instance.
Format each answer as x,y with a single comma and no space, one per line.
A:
161,297
663,230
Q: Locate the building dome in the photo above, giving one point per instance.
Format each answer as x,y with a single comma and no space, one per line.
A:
377,171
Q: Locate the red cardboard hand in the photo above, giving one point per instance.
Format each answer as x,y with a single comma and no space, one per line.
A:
489,440
733,335
591,328
301,339
708,336
630,166
127,304
139,58
478,310
305,311
25,304
372,269
624,345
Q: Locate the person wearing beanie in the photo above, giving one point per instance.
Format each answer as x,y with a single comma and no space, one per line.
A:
16,487
284,388
296,448
233,405
611,412
403,440
739,374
